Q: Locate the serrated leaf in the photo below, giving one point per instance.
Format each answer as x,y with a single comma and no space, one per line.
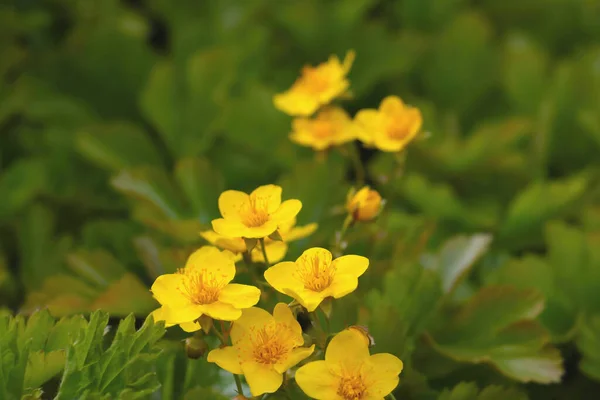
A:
497,326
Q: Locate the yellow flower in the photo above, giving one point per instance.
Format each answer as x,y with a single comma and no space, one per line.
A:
256,215
391,127
202,288
364,205
276,250
314,276
264,347
349,372
317,86
331,127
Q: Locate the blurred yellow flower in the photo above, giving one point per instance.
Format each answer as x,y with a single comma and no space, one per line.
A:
264,347
331,127
256,215
314,276
364,205
316,87
391,127
202,288
349,372
276,250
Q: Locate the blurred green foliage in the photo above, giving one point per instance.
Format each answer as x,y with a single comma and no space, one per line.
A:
122,121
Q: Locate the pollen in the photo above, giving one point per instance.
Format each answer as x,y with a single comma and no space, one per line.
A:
352,387
315,271
270,344
201,286
399,127
255,213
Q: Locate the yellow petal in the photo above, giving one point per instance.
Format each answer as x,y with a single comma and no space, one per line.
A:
209,258
284,315
287,210
381,371
391,105
230,202
309,299
369,120
281,276
159,315
347,347
226,358
299,232
261,378
229,228
316,380
384,143
221,311
297,355
190,326
235,245
269,193
261,231
350,265
341,286
239,296
296,103
251,317
181,314
275,251
166,290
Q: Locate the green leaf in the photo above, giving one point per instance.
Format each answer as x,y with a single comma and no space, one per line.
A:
536,204
111,146
20,183
588,342
151,186
497,326
456,258
124,370
185,106
435,200
202,184
403,309
470,391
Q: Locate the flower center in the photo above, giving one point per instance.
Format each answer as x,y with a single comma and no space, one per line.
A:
255,213
315,271
313,80
201,286
269,344
398,128
323,129
352,387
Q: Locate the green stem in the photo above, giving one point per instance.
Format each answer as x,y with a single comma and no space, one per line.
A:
238,381
264,252
359,169
391,396
340,235
327,322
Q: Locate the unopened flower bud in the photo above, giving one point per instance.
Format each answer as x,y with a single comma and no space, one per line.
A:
364,205
195,346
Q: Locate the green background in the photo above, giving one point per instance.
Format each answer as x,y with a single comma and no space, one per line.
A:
121,122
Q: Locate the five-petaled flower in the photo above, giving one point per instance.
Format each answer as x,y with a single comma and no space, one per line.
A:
316,87
264,347
276,249
256,215
349,372
331,127
391,127
315,276
364,205
202,288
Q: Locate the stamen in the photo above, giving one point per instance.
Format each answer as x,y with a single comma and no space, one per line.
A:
201,286
315,271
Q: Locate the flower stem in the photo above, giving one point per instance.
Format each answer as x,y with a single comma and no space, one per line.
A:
264,252
391,396
238,381
339,237
359,168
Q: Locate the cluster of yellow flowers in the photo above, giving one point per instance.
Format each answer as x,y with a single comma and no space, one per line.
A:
389,128
256,228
